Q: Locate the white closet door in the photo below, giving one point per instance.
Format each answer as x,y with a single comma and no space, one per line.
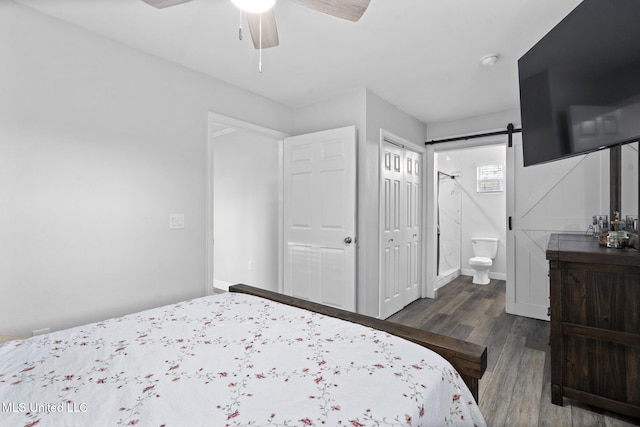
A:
400,232
393,260
413,230
320,217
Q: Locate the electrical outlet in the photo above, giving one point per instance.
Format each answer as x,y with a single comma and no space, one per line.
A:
250,265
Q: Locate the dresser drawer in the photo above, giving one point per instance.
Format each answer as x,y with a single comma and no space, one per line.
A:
605,300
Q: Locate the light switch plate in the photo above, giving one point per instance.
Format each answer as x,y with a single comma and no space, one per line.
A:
176,221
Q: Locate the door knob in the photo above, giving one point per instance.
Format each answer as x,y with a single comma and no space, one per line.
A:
348,240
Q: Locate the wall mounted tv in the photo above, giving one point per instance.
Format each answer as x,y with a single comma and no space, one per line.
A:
580,84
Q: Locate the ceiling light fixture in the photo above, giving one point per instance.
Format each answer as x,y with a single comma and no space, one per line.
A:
489,60
254,6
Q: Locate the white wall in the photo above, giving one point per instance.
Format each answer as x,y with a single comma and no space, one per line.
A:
246,208
347,109
478,124
99,143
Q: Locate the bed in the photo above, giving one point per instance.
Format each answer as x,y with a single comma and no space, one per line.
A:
248,357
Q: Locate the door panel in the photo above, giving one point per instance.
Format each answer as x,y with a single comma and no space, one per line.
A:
332,276
300,211
319,191
301,270
332,189
400,237
555,197
394,271
413,231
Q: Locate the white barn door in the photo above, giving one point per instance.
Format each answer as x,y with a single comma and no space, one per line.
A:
319,192
555,197
400,237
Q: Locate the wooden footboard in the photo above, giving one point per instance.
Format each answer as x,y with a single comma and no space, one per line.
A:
470,360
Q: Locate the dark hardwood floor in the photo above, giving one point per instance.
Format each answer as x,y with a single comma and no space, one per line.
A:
515,389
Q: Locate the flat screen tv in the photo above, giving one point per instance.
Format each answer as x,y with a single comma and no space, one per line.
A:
580,84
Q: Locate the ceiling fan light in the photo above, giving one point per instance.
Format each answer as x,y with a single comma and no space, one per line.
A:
254,6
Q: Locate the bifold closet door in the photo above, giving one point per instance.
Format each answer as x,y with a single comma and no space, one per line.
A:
413,214
400,229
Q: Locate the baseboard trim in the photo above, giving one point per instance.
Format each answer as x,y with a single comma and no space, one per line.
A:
443,280
492,275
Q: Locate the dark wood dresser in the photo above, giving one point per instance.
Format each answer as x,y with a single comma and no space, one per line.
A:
595,323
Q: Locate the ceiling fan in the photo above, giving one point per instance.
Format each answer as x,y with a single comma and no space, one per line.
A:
262,22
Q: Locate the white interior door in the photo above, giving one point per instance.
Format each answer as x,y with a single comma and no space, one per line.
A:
400,234
320,217
555,197
413,228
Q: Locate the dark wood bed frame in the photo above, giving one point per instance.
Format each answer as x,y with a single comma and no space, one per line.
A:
470,360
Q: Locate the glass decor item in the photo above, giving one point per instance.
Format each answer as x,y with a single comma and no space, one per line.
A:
616,224
617,239
600,223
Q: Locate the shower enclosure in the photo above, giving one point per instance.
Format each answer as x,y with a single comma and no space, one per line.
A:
449,227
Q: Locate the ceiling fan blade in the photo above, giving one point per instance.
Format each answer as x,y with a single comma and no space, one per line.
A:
269,29
161,4
351,10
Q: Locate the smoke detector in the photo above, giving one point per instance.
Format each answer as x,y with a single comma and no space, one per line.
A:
489,60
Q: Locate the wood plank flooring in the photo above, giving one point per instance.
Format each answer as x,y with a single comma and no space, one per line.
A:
515,389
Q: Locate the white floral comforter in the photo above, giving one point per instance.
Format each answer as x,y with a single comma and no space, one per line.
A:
229,359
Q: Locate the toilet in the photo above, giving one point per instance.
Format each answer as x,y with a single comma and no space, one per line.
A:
484,251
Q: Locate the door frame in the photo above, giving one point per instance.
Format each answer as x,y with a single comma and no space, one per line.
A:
386,136
212,120
431,196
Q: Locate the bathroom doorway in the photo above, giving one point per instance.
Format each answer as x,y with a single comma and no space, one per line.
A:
468,205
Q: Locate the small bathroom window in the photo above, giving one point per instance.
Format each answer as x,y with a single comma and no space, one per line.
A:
490,178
